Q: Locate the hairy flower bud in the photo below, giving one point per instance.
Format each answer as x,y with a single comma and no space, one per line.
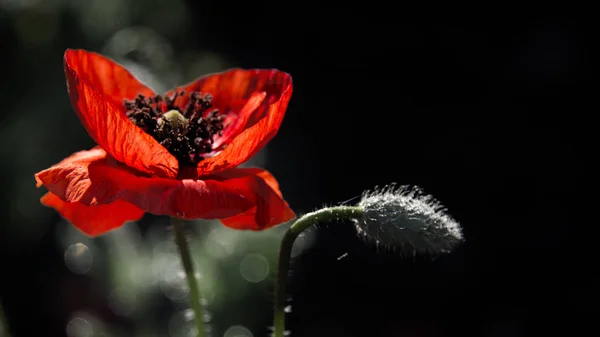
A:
406,218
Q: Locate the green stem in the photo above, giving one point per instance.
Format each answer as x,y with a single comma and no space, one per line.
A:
188,266
285,253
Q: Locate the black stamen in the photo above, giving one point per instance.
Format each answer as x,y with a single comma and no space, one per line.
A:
188,142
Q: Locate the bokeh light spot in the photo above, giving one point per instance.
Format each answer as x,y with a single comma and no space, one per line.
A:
180,325
237,331
79,327
254,268
79,258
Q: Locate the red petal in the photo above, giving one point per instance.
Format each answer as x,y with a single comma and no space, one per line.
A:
94,220
69,179
236,122
249,142
94,100
107,77
267,177
262,189
99,181
253,120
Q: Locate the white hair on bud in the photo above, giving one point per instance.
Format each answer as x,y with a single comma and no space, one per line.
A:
404,217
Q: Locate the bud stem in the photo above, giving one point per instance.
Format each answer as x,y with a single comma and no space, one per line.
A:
285,253
186,261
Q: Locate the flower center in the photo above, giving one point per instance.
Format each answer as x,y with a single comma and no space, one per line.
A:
188,134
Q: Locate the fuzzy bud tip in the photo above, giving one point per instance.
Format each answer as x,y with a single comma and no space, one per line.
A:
406,218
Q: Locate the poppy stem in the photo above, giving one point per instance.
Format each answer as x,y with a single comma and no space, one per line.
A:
285,252
188,266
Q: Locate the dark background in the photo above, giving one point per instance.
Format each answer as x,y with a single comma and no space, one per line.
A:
490,113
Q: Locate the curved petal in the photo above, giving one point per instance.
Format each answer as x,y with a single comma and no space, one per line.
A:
236,122
98,181
107,77
268,178
69,179
94,220
249,142
105,121
254,102
259,186
232,88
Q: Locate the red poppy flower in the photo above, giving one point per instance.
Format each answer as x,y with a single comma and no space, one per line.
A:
175,154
